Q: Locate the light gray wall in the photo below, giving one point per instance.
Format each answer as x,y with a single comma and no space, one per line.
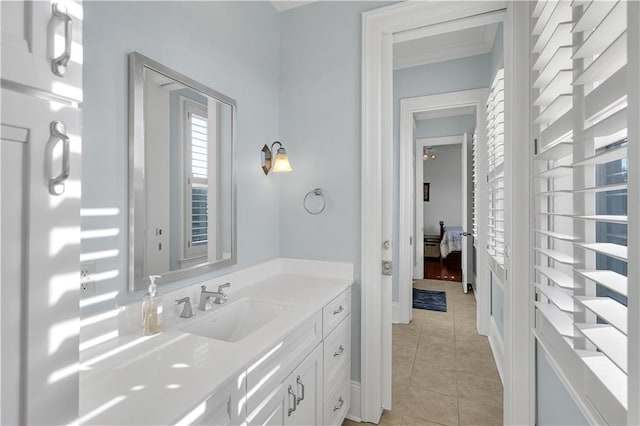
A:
497,51
445,126
445,191
232,47
320,126
442,77
555,406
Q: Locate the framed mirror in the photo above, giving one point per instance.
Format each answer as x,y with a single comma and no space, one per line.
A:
182,175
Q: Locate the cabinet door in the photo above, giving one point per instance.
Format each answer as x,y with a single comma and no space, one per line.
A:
306,383
32,36
273,410
40,248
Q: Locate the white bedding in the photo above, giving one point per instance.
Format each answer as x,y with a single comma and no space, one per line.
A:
451,240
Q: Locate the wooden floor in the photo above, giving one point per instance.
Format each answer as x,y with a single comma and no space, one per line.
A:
448,269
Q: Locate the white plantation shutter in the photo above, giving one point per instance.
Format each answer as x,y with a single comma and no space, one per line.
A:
474,176
579,91
495,174
197,166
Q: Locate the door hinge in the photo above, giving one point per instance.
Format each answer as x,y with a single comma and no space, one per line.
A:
387,267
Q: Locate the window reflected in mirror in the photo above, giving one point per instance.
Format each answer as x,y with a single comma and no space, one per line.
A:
183,174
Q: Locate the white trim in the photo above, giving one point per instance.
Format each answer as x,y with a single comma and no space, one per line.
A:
376,99
519,343
395,313
408,107
354,412
633,203
497,347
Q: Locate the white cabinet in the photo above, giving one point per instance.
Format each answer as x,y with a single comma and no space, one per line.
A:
40,227
271,368
225,407
33,36
338,400
302,380
305,383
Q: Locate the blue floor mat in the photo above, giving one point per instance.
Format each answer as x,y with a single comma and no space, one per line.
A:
430,300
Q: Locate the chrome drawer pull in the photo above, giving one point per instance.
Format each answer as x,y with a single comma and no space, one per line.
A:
58,131
301,385
339,404
339,351
292,393
59,64
337,311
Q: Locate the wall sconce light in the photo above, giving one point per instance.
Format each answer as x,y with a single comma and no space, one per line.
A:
281,162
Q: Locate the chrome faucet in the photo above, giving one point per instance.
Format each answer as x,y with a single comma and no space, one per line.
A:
187,312
220,296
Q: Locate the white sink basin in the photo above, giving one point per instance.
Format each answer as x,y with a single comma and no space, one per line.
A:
237,320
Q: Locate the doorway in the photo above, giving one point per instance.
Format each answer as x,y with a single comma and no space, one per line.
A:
433,105
439,166
381,28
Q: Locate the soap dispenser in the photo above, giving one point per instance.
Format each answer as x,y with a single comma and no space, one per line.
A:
152,319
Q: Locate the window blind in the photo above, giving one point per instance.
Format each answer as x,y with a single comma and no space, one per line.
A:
495,173
197,179
474,177
580,189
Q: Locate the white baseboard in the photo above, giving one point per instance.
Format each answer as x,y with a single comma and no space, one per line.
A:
497,347
355,412
395,312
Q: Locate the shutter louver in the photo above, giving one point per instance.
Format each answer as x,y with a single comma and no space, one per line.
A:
580,54
198,178
495,173
474,168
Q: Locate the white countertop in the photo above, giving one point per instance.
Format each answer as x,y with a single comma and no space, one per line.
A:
138,379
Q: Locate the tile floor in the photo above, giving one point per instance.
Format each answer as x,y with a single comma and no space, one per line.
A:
443,371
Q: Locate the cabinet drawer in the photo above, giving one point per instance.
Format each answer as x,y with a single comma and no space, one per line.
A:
336,311
273,366
337,352
338,401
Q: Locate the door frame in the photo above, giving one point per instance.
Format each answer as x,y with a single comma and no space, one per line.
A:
410,20
408,107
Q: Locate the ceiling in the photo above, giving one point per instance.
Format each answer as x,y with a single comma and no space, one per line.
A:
445,112
283,5
444,47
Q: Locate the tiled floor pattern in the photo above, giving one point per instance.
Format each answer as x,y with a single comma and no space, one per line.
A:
443,371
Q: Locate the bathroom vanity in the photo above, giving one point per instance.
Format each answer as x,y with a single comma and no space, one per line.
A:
278,352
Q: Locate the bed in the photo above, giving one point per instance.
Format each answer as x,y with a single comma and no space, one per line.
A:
450,239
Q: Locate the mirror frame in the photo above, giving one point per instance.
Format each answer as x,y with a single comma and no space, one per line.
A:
137,64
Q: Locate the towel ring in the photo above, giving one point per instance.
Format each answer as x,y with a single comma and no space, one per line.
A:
318,193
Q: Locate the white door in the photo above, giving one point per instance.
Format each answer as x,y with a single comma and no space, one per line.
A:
40,225
467,236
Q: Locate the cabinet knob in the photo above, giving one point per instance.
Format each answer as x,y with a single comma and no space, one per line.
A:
337,311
